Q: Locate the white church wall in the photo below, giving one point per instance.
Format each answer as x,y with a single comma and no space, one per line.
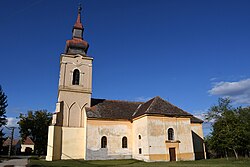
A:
156,134
184,135
140,127
114,131
72,143
157,137
54,143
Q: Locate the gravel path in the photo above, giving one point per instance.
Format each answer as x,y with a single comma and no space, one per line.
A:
14,163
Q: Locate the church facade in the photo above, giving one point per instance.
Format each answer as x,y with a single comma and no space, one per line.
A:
100,129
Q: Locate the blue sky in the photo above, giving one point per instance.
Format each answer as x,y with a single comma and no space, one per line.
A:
188,52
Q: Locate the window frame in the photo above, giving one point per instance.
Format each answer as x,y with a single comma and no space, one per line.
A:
170,134
76,77
124,142
104,142
140,150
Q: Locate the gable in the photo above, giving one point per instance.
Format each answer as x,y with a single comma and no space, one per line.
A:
28,141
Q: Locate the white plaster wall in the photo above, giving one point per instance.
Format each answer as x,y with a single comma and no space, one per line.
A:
24,146
54,143
73,108
157,135
114,131
71,62
184,135
197,128
140,127
73,143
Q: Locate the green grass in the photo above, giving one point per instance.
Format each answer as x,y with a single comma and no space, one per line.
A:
135,163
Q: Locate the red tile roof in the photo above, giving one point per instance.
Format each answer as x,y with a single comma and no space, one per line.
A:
78,23
159,106
111,109
28,141
117,109
196,120
76,41
14,142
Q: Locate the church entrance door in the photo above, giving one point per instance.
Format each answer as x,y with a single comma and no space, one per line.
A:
172,154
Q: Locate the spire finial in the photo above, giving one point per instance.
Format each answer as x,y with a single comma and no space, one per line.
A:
79,8
78,23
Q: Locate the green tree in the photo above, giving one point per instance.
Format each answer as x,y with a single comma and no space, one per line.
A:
3,120
244,116
35,125
230,131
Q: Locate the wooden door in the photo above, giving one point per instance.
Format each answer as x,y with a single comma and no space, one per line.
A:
172,154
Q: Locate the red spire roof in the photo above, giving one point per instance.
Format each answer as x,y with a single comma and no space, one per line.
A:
78,23
77,45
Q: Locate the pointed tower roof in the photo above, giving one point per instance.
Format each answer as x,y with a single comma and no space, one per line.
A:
77,45
78,23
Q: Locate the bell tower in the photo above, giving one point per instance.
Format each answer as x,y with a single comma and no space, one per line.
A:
75,83
67,132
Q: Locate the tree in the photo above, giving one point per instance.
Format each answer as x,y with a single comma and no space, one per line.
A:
244,116
230,128
3,120
35,125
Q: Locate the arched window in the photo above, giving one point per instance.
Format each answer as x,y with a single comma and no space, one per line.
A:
140,151
124,142
76,77
139,137
170,134
104,142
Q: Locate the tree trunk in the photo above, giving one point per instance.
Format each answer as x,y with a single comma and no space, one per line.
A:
236,154
226,154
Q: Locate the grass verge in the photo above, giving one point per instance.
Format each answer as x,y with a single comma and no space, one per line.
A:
136,163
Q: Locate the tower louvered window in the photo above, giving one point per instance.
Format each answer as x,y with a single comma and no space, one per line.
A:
76,77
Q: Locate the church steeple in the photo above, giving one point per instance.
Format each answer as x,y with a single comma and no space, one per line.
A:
78,25
77,45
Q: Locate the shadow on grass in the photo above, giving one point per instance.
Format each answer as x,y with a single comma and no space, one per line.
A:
76,163
110,163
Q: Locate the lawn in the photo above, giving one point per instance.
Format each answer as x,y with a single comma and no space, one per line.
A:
135,163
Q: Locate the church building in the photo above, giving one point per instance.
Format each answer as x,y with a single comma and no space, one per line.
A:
99,129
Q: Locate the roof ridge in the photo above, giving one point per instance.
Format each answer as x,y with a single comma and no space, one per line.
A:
126,101
119,100
153,100
174,105
179,108
136,110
